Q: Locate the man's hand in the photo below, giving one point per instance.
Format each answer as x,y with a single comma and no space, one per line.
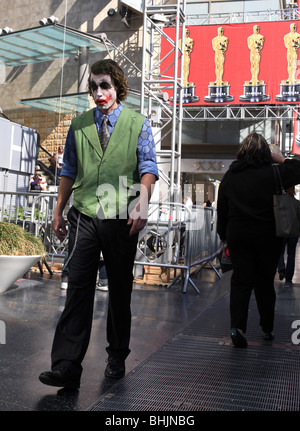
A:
59,226
138,216
65,190
137,223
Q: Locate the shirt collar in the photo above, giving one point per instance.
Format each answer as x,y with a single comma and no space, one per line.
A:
112,116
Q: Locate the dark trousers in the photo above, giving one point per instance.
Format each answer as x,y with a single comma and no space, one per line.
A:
102,270
254,262
290,244
72,335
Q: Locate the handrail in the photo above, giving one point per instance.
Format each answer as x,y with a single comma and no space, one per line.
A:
46,169
45,151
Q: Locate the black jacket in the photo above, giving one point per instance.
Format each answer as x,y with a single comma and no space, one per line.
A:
245,198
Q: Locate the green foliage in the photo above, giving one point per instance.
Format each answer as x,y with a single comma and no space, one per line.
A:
19,213
15,241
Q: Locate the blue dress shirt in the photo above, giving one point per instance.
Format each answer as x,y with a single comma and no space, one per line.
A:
146,153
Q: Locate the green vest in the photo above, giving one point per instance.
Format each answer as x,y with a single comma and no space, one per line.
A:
106,184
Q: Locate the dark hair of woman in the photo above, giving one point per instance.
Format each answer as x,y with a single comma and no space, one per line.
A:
255,150
111,68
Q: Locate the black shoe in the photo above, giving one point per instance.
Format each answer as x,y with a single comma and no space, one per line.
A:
115,368
267,336
281,274
237,338
60,378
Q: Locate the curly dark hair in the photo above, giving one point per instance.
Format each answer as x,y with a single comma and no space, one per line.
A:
255,150
111,68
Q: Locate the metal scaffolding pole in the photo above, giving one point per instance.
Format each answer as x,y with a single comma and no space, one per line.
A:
157,17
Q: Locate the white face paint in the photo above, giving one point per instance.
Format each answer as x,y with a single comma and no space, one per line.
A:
104,92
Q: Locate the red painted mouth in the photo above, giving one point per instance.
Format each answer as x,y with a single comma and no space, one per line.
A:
100,101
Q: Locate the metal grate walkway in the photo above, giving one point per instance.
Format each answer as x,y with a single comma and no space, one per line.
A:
200,370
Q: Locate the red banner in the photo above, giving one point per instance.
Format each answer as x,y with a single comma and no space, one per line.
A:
238,63
296,138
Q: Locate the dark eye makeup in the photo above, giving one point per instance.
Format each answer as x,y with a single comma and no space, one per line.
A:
103,85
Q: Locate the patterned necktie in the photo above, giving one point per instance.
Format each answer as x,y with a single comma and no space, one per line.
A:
104,134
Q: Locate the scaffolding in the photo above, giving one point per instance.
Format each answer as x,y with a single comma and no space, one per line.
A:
291,13
156,82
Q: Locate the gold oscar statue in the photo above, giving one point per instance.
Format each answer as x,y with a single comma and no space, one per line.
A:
219,89
254,90
188,48
255,44
188,87
290,88
220,45
292,44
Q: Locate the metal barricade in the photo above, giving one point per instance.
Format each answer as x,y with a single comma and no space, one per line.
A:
34,212
175,236
15,207
180,237
43,225
204,243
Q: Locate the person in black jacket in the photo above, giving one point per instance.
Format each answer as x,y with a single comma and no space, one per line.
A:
289,244
246,223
